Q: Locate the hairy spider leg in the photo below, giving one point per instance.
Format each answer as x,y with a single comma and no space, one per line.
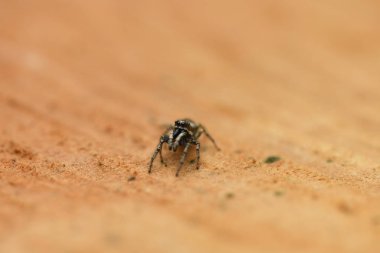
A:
162,159
198,147
186,149
164,138
203,129
158,149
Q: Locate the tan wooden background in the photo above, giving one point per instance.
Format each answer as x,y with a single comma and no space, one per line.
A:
87,86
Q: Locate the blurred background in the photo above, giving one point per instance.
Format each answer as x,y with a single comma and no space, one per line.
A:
86,86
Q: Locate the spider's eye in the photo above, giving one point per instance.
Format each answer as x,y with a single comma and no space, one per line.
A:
181,123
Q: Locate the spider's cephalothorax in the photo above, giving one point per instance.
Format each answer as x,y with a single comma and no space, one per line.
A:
184,132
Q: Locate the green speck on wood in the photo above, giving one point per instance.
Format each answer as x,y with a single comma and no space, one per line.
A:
278,193
230,195
272,159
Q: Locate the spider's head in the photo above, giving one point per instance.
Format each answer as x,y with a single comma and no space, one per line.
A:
182,123
180,134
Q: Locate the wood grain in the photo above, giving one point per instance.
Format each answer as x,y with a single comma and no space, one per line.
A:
88,86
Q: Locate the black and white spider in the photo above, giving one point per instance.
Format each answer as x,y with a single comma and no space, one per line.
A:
184,132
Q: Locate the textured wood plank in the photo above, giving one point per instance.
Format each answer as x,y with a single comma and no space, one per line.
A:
87,87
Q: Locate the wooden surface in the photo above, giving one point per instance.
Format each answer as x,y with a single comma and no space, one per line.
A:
88,86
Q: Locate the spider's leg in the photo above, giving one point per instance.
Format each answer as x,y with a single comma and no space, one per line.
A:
166,139
203,129
186,149
162,159
158,149
198,147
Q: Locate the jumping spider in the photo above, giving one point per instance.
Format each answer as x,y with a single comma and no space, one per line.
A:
184,132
